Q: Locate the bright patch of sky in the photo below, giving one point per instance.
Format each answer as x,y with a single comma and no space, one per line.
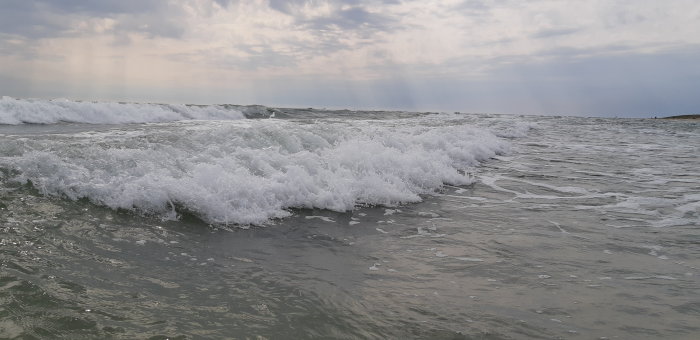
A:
592,57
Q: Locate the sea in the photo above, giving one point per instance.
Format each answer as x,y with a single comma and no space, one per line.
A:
160,221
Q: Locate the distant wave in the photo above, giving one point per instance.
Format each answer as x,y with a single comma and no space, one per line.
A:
36,111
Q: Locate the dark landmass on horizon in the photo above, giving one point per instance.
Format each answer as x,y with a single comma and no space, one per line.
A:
683,117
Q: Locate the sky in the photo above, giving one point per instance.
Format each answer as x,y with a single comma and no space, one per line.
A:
624,58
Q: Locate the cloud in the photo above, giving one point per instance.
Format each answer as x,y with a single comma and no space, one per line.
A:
352,18
339,24
38,19
20,18
99,8
556,32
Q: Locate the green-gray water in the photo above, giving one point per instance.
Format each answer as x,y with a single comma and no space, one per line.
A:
575,229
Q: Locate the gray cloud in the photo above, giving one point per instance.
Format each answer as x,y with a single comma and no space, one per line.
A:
348,25
548,33
473,6
347,15
290,6
22,18
36,19
99,8
354,18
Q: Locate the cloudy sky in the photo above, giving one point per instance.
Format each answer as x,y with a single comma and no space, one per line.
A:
632,58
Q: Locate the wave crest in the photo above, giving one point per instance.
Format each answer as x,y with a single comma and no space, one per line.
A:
35,111
251,171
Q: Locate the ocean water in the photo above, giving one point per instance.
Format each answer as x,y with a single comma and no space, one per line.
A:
159,221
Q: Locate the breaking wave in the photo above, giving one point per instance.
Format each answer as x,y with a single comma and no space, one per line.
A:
35,111
251,171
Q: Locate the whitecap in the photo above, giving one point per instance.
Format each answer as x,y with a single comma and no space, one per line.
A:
249,173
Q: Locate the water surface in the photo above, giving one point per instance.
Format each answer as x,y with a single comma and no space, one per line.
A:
557,227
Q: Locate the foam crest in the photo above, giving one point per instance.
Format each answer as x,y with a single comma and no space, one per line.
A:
251,171
34,111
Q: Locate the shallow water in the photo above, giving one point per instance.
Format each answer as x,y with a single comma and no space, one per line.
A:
583,229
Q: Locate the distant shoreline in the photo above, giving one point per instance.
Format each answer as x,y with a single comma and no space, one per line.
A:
683,117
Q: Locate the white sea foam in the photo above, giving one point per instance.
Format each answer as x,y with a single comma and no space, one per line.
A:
322,218
469,259
19,111
250,171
